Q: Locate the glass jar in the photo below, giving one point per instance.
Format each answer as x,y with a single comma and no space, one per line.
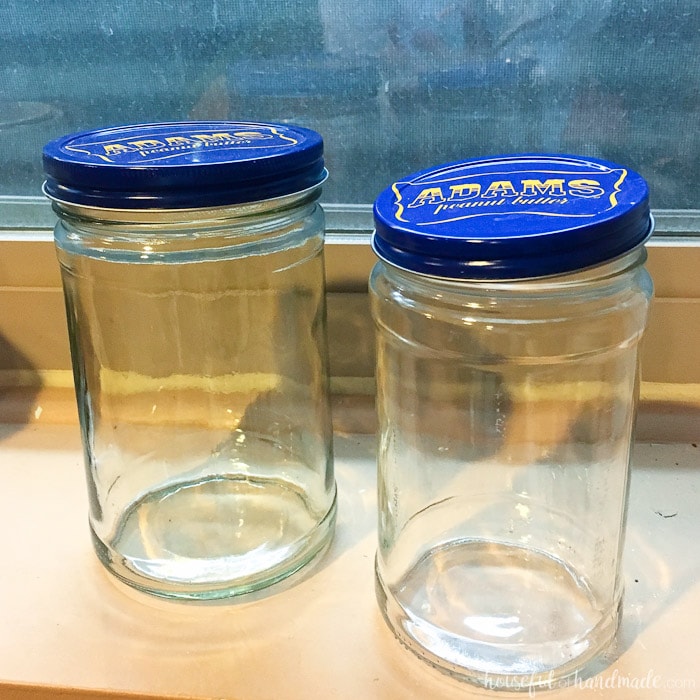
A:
510,299
192,264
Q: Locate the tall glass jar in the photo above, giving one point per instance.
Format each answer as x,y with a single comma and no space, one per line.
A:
192,263
510,299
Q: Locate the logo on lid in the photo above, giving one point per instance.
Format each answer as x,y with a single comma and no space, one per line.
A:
569,188
146,147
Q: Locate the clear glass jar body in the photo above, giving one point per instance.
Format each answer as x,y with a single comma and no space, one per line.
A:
506,414
200,363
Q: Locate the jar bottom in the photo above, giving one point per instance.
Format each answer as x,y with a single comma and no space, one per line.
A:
498,615
215,537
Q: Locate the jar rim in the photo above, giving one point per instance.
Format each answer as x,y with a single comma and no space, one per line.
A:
608,269
183,215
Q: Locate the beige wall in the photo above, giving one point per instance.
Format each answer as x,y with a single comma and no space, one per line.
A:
33,333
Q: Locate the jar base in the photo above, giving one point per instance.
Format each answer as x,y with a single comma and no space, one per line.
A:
497,615
216,537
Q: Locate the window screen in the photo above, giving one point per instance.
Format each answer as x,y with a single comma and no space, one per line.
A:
393,86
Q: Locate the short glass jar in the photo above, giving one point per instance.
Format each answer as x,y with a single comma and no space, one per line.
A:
192,263
510,299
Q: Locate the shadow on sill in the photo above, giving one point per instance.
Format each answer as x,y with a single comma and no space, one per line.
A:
668,413
23,404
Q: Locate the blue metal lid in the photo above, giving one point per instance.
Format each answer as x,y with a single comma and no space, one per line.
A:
182,165
511,217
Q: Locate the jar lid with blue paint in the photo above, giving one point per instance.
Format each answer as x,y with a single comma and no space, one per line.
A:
512,217
183,165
